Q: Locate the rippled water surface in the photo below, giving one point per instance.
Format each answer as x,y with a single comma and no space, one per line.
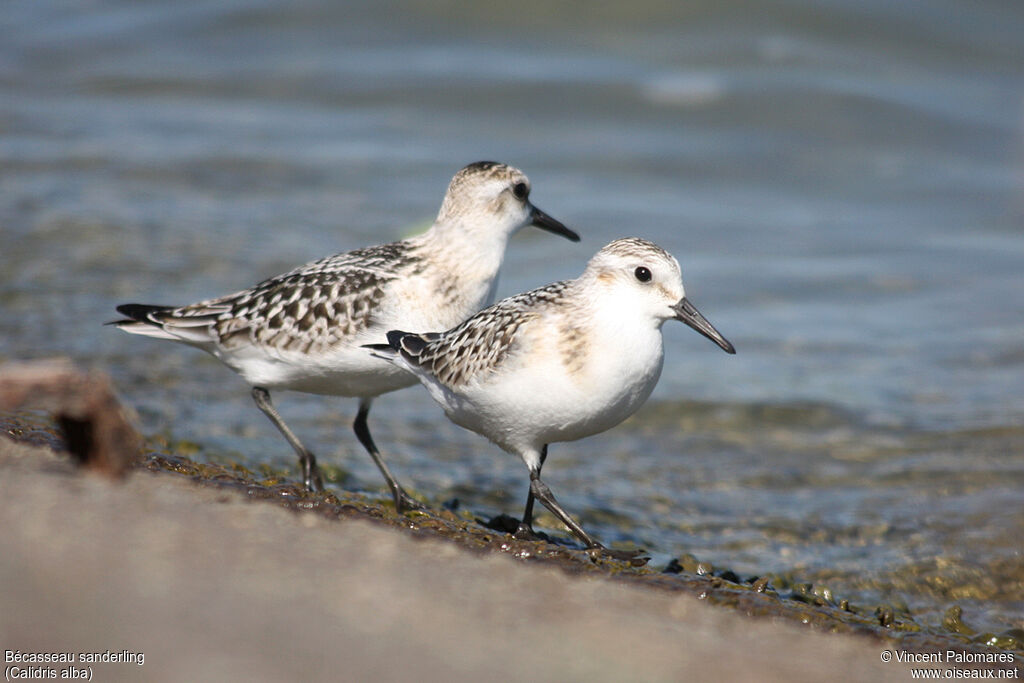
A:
843,183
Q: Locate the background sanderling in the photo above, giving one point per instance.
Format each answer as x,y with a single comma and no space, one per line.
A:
303,330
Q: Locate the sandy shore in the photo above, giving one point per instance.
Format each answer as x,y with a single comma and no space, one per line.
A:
210,586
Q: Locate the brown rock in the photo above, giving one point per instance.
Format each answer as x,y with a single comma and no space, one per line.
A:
96,428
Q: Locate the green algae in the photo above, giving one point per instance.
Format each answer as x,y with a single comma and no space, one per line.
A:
952,621
1011,639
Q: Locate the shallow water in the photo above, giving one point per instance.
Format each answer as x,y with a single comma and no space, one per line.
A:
842,182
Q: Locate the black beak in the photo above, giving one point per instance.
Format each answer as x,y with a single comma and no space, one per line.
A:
686,312
546,222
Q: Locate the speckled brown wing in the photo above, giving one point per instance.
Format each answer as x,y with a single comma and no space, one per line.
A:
307,310
483,342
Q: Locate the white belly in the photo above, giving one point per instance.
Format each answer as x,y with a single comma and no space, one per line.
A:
534,401
350,372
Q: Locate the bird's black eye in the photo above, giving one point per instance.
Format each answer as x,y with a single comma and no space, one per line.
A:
520,190
642,274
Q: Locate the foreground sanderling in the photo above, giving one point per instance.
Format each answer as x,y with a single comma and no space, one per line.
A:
303,330
557,363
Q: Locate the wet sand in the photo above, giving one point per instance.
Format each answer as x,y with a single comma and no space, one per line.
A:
210,584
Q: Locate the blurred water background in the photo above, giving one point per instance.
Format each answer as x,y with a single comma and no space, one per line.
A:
842,182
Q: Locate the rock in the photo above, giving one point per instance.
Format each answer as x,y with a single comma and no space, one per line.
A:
95,425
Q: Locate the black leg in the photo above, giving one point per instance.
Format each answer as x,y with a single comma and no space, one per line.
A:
403,501
310,472
541,491
525,531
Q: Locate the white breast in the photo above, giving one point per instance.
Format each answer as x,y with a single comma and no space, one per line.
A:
546,392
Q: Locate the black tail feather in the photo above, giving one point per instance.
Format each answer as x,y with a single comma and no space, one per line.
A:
394,342
140,312
395,338
137,313
409,344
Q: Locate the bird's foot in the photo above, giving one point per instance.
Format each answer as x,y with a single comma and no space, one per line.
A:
312,479
526,533
404,502
637,557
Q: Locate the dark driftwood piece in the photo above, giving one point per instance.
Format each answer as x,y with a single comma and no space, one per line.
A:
96,428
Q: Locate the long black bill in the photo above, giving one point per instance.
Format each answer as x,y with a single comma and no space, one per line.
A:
546,222
686,312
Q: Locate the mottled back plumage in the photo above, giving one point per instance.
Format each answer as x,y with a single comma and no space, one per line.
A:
482,343
308,310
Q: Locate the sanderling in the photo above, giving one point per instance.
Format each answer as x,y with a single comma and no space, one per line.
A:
557,363
303,330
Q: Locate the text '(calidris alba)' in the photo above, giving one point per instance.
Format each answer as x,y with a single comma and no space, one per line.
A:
557,363
303,330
